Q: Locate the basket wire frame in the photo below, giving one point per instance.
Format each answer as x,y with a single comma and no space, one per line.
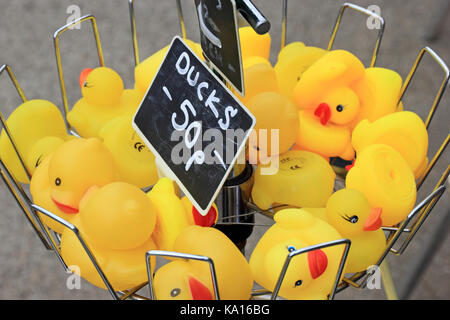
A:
56,37
180,255
420,212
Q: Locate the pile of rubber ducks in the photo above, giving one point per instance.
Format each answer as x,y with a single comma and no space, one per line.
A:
324,104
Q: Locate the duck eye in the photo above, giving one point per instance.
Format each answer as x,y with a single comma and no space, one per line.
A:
353,219
291,248
339,108
57,181
298,283
175,292
298,78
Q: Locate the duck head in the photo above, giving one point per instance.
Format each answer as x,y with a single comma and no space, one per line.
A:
77,166
338,106
351,214
101,86
303,268
176,281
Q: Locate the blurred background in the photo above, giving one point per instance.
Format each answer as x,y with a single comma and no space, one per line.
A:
28,271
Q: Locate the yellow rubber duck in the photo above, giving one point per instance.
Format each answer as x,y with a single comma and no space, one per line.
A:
404,131
293,60
386,180
191,280
119,245
274,113
253,44
349,212
135,162
104,98
259,77
171,216
37,128
65,176
304,179
146,70
310,275
174,214
337,92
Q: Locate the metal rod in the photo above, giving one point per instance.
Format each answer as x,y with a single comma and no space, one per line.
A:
441,90
366,12
83,244
433,162
56,36
24,208
253,15
284,11
388,283
3,121
297,252
172,254
181,19
133,32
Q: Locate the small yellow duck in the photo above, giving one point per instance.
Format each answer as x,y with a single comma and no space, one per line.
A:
174,214
349,212
134,161
116,221
404,131
293,60
334,94
104,98
304,179
64,177
37,128
386,180
191,280
309,276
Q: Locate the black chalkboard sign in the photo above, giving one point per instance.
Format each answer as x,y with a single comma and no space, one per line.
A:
219,38
194,124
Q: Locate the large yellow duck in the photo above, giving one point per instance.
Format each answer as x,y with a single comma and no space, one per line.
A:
134,161
386,179
37,128
65,176
191,280
293,60
404,131
304,179
104,98
310,275
174,214
117,222
349,212
334,94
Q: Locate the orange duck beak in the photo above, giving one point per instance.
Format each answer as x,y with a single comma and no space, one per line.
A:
318,262
198,290
373,222
323,112
83,76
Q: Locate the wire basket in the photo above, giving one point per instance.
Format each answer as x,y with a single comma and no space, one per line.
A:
408,228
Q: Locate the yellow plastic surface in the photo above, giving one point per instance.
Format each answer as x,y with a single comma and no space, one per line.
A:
37,128
135,162
304,179
66,175
234,276
104,98
295,229
386,180
404,131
